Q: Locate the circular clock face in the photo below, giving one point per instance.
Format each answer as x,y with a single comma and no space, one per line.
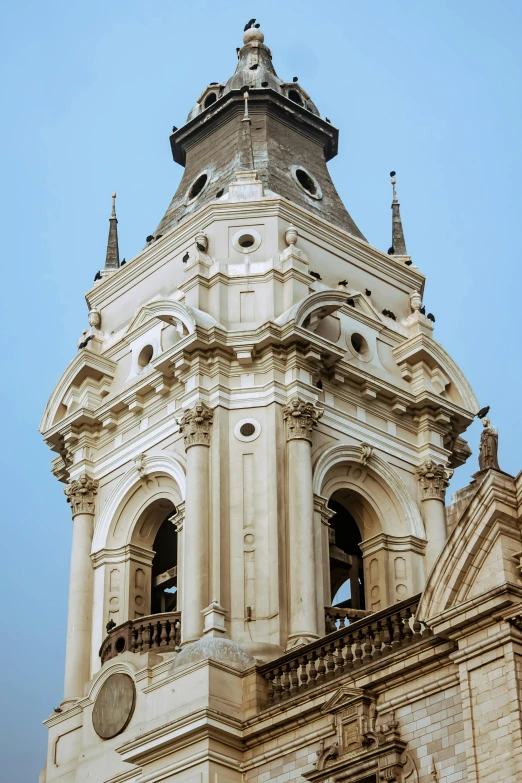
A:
114,706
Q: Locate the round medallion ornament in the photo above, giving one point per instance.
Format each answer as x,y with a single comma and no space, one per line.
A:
114,706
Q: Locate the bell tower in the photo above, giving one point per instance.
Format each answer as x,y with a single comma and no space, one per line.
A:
255,438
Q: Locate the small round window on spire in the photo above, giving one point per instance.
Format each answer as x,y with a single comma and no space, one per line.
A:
197,186
308,183
210,99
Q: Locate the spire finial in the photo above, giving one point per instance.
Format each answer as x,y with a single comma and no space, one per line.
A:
112,257
398,247
252,32
393,182
246,151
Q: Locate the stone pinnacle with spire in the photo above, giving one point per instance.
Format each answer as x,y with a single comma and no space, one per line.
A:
246,152
398,247
112,258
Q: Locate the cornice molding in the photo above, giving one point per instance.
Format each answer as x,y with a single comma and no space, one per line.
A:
85,364
340,243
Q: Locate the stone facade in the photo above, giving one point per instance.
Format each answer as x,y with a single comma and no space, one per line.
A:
258,419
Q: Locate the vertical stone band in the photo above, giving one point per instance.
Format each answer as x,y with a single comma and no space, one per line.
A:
301,419
434,479
195,426
81,494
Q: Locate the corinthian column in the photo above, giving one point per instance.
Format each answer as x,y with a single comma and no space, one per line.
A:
195,427
301,419
434,478
81,494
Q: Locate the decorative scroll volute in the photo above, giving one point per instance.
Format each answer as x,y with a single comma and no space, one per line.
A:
81,494
195,425
434,478
301,418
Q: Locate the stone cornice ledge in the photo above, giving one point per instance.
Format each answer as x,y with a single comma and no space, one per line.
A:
185,731
163,250
480,610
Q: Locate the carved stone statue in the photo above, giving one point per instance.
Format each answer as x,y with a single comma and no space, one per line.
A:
488,454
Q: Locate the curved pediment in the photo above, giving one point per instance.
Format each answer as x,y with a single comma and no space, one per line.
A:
319,304
164,310
443,369
88,374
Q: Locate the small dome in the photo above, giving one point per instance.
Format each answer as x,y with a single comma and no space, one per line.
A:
253,34
213,648
255,71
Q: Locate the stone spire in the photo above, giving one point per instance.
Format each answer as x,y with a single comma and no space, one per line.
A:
246,152
398,247
112,258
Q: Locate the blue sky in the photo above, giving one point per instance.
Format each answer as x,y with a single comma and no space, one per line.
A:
89,95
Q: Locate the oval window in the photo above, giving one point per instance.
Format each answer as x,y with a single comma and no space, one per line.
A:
197,186
307,182
145,356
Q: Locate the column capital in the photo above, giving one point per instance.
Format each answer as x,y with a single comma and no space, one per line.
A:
434,478
194,425
81,494
301,418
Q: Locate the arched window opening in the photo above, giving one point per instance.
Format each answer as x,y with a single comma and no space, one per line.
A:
346,559
210,99
165,568
295,96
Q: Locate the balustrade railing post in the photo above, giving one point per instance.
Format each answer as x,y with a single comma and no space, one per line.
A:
303,663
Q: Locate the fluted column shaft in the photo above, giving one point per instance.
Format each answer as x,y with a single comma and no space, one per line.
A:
195,425
81,494
300,420
434,478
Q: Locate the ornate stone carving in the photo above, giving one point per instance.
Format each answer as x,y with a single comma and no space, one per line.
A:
291,235
488,449
195,425
366,453
81,494
94,318
301,418
434,479
139,461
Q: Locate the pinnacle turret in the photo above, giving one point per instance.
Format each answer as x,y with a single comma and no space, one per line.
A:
112,257
398,247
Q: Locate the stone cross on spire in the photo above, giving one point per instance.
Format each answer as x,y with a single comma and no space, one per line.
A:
112,258
398,247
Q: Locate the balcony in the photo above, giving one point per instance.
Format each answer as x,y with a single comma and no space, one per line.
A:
349,648
157,632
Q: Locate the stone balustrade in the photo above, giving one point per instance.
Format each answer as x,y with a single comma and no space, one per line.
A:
337,617
362,642
156,632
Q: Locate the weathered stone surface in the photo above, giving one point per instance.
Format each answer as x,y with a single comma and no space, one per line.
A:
114,706
214,648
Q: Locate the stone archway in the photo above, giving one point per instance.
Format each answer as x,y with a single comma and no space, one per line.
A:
389,521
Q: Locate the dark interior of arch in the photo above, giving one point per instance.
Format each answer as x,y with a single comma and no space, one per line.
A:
346,560
164,568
